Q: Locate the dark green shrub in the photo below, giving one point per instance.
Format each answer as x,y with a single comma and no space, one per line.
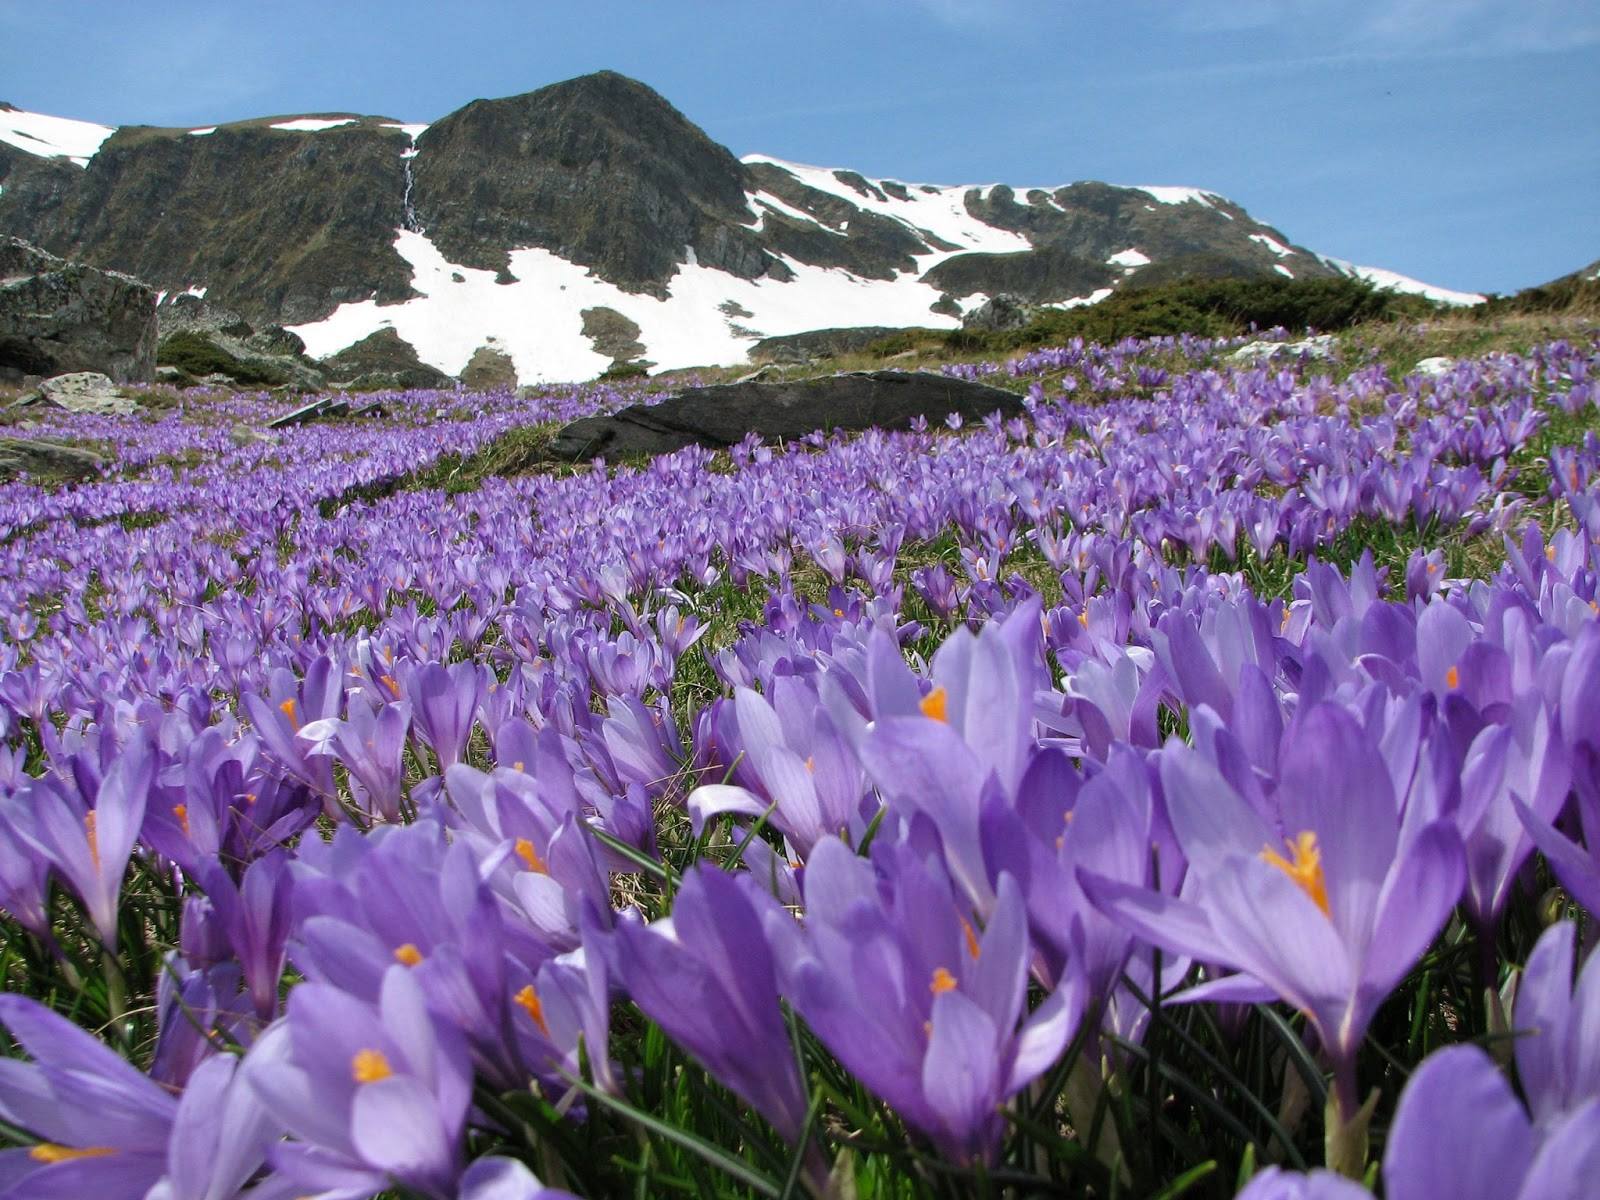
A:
198,355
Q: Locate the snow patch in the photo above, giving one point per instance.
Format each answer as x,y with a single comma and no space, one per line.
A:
1272,244
1093,297
538,316
760,203
411,131
929,209
52,137
1283,270
1177,195
1393,281
313,124
206,132
1129,258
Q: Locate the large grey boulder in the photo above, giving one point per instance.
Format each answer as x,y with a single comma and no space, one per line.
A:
81,392
58,316
721,416
1001,312
24,456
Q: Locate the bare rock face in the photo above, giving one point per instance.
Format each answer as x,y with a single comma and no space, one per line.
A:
489,369
58,317
26,456
382,360
723,415
817,344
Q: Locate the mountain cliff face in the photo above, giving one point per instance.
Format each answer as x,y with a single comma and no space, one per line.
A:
511,222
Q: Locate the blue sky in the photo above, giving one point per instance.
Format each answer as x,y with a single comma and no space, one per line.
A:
1452,140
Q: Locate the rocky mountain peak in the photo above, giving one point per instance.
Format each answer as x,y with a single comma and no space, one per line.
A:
599,170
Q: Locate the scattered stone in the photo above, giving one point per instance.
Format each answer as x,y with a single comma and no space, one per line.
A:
1001,312
26,456
245,435
1435,366
722,415
58,317
1321,347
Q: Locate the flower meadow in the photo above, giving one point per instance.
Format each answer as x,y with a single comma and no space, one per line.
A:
1192,788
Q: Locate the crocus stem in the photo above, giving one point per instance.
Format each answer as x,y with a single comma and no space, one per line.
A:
116,987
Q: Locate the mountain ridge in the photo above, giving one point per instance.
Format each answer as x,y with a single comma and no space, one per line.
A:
512,222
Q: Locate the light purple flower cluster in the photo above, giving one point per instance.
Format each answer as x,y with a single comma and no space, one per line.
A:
402,761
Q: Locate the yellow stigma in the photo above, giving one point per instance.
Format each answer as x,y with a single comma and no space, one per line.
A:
1083,618
1452,678
51,1152
970,935
369,1066
530,856
943,982
92,837
1305,868
934,704
389,682
408,954
1550,553
528,999
288,710
181,811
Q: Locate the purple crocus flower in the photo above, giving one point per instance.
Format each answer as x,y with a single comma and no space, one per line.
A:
896,978
1558,1027
705,975
371,744
90,847
505,1179
1460,1132
1322,906
254,915
373,1095
103,1126
219,1140
1274,1183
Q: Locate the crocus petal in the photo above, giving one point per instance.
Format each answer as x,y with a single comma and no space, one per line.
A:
1431,1155
959,1074
396,1126
1176,925
1544,1000
1568,1161
505,1179
1417,898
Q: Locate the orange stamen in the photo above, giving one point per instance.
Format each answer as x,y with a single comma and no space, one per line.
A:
970,935
934,705
181,811
943,982
530,856
369,1066
288,709
1305,867
53,1152
408,954
530,1003
93,838
1452,678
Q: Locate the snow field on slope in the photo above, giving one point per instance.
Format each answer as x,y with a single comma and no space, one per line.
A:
537,319
941,212
52,137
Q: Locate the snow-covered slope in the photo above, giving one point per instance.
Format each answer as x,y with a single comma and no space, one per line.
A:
708,316
1393,281
51,137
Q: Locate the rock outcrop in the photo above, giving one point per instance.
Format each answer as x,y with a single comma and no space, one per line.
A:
723,415
383,360
817,344
58,316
